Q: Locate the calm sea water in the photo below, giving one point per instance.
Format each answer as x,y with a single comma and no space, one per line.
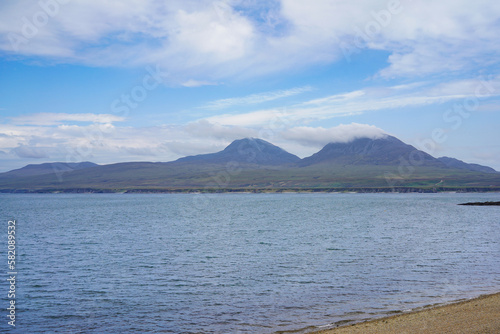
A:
242,263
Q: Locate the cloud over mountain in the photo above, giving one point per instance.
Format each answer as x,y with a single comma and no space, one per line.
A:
24,151
343,133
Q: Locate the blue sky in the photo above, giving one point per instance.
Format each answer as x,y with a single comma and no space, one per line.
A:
113,81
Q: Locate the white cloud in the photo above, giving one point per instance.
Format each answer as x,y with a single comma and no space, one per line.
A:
337,98
215,36
205,129
255,118
197,83
365,100
343,133
24,151
105,143
59,118
192,147
441,36
256,98
226,39
482,87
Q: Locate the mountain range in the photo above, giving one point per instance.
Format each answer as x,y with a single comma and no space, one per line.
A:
252,164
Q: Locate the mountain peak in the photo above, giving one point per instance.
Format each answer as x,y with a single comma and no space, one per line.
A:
256,142
387,150
247,150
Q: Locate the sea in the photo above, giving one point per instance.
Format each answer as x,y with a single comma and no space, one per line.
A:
240,263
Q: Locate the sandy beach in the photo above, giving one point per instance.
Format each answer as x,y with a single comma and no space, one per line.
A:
478,315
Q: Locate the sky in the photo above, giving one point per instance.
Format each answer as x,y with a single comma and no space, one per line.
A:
146,80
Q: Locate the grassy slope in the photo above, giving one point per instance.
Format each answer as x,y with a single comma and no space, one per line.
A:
147,175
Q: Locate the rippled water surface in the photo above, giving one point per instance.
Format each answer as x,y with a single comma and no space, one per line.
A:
242,263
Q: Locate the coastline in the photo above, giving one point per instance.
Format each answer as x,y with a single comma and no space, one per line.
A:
208,190
476,315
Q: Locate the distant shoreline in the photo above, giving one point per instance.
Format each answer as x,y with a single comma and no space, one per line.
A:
255,190
477,315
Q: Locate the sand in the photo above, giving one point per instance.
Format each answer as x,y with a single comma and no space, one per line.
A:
479,315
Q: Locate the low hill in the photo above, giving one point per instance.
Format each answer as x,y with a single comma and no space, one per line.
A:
455,163
47,168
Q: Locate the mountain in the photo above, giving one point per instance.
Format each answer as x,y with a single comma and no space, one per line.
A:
455,163
387,151
383,164
246,151
47,168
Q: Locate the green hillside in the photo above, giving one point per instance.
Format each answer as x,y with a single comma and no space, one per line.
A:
158,176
